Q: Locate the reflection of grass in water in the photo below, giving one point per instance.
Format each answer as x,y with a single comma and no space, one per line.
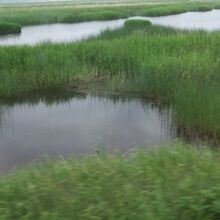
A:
53,97
1,113
175,182
4,112
99,100
49,97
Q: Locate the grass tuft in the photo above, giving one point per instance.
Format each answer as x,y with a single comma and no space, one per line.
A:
9,28
136,23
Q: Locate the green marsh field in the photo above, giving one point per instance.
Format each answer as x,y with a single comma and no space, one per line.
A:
172,67
69,13
174,182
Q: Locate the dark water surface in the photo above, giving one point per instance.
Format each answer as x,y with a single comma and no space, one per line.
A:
57,33
78,124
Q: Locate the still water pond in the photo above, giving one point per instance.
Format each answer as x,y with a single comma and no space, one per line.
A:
78,124
56,33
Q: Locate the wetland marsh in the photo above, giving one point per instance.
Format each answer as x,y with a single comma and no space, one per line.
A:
165,72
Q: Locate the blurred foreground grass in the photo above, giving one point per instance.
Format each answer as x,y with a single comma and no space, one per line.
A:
172,182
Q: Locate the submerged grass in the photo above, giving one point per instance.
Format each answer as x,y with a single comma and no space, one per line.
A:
178,67
175,182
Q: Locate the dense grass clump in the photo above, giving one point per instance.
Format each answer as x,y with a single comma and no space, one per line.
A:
134,23
9,28
170,183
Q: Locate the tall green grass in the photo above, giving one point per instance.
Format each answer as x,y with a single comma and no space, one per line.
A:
175,182
41,14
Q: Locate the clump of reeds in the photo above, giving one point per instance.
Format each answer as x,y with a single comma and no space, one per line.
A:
9,28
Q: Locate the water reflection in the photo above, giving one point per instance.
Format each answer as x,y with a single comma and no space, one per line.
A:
78,124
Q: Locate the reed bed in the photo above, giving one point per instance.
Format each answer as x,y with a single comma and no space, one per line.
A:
43,14
178,67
